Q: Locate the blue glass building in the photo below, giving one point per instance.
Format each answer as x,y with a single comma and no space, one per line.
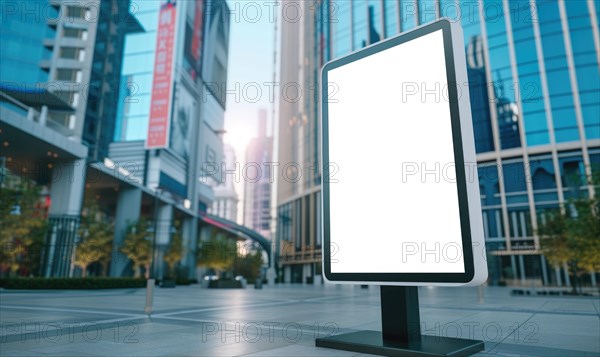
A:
533,68
21,38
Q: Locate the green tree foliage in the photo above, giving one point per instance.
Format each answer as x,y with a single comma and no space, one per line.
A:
571,237
175,251
137,246
96,232
249,265
23,225
218,253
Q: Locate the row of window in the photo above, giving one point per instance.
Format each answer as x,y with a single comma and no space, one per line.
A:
542,89
545,192
572,178
294,221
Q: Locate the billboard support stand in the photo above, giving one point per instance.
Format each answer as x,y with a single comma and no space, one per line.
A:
401,331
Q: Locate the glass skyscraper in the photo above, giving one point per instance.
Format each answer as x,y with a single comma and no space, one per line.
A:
533,69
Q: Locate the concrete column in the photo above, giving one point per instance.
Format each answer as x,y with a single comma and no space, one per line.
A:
306,272
163,237
66,188
203,235
66,197
129,204
287,274
567,277
513,265
544,270
190,243
44,115
317,278
153,169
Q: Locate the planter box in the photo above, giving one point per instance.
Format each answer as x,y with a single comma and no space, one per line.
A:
225,284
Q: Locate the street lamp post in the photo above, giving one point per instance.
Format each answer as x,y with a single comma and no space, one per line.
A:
157,193
151,282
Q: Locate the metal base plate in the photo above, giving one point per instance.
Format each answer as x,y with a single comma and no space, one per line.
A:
372,342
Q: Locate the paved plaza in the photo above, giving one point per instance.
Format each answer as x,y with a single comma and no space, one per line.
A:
282,321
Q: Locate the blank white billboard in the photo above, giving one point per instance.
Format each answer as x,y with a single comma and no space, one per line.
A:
393,192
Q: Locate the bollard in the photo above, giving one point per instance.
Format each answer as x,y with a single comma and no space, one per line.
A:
149,296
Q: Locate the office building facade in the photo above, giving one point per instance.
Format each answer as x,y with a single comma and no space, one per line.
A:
226,200
121,104
170,117
61,63
534,84
258,180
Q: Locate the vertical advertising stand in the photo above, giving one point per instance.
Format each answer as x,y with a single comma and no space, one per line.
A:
401,205
400,333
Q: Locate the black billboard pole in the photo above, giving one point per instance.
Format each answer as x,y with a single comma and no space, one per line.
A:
400,333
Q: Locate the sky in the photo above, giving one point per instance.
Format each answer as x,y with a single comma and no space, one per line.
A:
250,66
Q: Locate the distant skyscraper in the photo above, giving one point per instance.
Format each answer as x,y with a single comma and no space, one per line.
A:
257,179
534,79
226,198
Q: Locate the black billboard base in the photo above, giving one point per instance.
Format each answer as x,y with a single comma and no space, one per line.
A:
401,331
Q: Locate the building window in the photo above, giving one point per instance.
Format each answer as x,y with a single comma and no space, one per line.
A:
532,103
586,64
77,12
572,174
342,43
520,223
560,92
69,75
359,25
375,21
488,183
493,225
514,182
543,179
408,13
284,225
75,33
391,18
72,53
427,11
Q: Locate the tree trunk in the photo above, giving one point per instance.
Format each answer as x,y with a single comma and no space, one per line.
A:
147,273
137,272
83,270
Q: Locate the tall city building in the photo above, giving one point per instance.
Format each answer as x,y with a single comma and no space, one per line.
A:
121,104
225,203
257,179
298,191
61,64
533,68
171,112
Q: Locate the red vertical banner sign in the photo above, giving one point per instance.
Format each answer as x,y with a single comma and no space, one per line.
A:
197,35
162,84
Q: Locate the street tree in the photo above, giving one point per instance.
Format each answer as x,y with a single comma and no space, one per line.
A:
23,222
218,253
96,232
175,251
571,236
137,246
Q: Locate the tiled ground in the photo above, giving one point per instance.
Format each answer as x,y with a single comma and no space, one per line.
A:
281,321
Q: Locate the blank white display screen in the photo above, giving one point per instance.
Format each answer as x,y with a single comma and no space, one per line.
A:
393,192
